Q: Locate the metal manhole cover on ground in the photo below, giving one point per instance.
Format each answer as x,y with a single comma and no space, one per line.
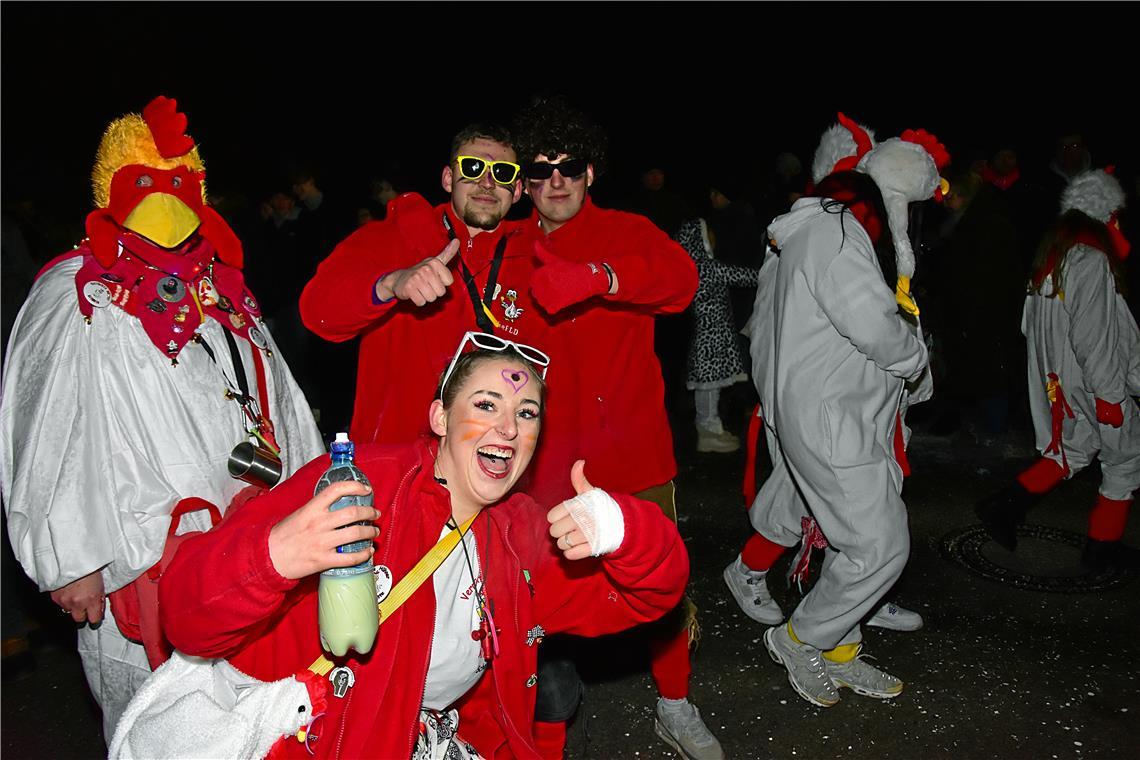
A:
972,548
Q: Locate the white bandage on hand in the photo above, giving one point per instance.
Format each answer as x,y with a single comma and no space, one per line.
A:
599,518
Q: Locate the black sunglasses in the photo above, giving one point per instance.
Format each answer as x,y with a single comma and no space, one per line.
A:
571,169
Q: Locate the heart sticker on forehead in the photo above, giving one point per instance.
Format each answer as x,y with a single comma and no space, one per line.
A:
516,378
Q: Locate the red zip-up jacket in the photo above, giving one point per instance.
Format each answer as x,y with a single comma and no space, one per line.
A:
609,407
222,597
404,348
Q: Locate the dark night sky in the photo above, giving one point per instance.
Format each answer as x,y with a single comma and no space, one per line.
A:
357,86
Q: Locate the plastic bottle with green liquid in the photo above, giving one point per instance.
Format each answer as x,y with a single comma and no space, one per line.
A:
347,595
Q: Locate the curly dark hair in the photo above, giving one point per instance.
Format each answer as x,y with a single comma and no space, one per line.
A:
549,126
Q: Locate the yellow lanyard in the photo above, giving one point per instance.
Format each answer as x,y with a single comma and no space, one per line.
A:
408,584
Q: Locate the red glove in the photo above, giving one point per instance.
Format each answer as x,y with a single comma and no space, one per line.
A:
558,283
1109,414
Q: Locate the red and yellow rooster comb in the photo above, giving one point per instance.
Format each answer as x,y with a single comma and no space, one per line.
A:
149,179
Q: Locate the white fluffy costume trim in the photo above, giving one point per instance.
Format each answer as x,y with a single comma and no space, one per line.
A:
835,144
1095,193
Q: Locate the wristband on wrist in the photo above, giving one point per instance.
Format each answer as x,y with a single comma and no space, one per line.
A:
610,274
381,301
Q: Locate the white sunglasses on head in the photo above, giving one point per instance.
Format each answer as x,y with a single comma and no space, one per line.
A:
495,343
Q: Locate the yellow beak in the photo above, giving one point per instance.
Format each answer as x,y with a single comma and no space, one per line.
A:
903,297
163,219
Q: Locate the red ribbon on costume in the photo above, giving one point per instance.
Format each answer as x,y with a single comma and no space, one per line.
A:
1120,245
265,429
751,444
900,446
1058,409
813,538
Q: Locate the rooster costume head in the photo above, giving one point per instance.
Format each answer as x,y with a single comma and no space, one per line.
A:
906,169
149,181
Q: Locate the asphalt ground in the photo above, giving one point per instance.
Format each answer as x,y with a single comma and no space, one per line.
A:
997,671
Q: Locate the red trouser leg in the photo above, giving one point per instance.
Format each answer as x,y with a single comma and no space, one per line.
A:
1041,476
670,663
760,554
550,739
1108,518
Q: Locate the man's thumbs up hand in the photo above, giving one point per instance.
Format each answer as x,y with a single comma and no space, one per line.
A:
423,283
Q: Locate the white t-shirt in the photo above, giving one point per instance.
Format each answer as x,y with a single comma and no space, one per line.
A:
456,658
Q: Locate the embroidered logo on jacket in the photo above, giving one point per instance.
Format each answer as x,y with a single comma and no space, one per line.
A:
511,310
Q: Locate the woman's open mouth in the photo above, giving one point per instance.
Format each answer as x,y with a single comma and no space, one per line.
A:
495,461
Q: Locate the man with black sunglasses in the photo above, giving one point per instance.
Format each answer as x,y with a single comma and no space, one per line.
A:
601,278
412,284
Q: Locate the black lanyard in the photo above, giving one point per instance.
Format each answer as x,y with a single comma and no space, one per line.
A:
239,367
481,306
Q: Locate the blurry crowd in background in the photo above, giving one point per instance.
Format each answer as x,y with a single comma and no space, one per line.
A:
974,252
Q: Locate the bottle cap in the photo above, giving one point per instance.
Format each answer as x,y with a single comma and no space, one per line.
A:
342,445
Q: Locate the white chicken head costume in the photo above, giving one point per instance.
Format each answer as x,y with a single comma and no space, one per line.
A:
906,169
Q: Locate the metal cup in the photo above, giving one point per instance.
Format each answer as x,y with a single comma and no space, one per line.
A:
255,465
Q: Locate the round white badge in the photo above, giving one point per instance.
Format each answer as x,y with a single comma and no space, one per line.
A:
97,294
258,338
383,582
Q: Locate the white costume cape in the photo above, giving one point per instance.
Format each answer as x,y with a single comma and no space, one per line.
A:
100,436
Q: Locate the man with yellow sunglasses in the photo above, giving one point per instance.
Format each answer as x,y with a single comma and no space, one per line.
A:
411,285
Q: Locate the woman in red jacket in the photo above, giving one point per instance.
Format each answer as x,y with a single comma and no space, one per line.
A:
463,648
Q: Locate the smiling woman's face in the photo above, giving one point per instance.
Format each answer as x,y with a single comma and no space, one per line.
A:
490,431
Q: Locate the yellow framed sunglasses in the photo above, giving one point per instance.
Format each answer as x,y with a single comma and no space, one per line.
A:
474,167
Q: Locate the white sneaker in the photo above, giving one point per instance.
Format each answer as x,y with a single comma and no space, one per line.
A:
719,443
806,666
863,678
682,728
896,618
750,591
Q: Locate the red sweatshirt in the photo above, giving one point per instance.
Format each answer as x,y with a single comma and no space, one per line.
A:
221,597
405,348
607,398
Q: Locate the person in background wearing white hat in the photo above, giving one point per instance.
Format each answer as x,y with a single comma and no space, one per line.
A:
1084,370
